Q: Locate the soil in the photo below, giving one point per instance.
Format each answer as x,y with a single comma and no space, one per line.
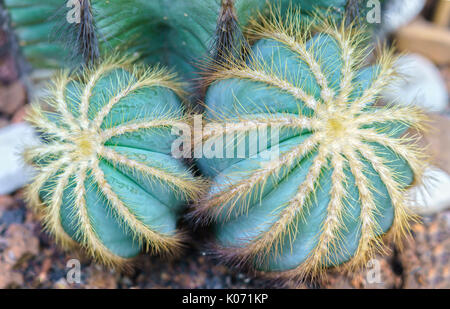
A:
30,259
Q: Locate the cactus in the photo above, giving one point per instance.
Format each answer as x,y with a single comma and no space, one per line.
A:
105,177
329,192
172,32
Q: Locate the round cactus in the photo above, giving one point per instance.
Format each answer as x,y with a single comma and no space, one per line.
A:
105,177
330,186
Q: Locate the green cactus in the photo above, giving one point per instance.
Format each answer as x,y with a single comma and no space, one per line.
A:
331,187
105,176
326,193
176,33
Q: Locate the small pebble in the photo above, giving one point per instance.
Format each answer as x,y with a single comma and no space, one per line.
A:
398,13
420,84
433,195
13,172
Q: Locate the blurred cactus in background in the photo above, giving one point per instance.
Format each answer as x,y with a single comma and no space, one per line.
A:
176,33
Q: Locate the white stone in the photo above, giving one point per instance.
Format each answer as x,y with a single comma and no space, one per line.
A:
14,173
433,195
398,13
420,83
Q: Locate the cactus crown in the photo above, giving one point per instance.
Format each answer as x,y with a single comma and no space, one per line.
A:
105,176
337,185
